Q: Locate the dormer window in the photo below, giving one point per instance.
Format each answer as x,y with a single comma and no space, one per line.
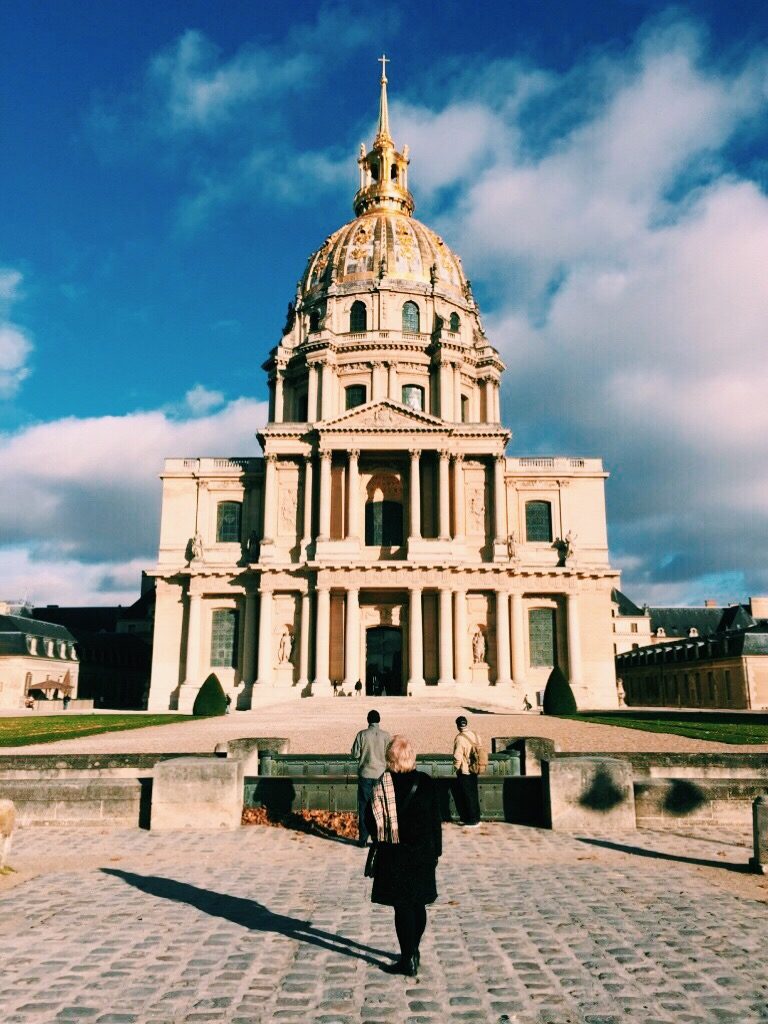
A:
455,322
314,321
358,318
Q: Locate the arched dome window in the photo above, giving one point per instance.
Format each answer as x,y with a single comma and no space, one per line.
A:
314,320
358,317
411,319
455,322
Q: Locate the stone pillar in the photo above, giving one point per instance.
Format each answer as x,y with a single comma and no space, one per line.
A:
416,642
192,669
497,401
326,392
499,501
502,638
446,390
307,538
518,639
490,405
377,381
457,391
313,371
279,396
589,794
352,639
446,639
325,495
445,506
759,861
265,639
461,669
460,507
393,383
249,637
574,641
415,495
270,499
353,496
322,683
304,641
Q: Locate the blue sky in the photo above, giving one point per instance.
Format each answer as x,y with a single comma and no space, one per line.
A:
168,169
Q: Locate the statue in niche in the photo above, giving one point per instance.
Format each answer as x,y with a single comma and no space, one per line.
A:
477,511
196,548
478,646
512,545
285,647
288,510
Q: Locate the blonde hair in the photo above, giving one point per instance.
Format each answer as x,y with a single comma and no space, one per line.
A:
401,757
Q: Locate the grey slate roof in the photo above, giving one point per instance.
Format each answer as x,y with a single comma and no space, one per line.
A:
626,607
680,621
24,626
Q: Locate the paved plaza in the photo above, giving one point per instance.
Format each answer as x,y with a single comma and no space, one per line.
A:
262,925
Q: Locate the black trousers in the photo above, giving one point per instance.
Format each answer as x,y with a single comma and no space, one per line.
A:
410,922
467,800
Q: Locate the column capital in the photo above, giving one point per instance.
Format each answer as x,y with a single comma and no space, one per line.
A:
416,588
415,453
458,456
500,457
445,454
270,457
354,453
326,454
353,590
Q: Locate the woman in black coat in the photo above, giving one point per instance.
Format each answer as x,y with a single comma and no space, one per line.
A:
409,842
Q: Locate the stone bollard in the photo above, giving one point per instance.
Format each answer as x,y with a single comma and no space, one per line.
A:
589,794
759,862
248,750
197,793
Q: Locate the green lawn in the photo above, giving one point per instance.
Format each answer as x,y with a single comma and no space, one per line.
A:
16,732
719,732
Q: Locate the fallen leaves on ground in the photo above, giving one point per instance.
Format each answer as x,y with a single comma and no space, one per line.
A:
329,824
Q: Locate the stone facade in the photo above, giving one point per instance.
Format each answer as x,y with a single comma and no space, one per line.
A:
38,660
384,536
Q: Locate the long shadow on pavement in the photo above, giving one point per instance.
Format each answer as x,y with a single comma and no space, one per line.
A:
638,851
247,914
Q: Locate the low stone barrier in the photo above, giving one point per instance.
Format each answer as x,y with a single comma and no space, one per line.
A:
436,765
204,794
588,794
759,861
81,766
663,765
704,803
116,802
532,750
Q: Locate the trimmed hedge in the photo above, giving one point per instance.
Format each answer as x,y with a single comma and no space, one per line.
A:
211,700
558,695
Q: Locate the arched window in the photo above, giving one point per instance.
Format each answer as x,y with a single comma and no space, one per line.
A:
224,637
358,317
413,396
228,521
411,320
393,172
455,322
384,524
538,521
465,409
314,320
355,395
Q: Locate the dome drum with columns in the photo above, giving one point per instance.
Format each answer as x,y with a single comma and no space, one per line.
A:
384,536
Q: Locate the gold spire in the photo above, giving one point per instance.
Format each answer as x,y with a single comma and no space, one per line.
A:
383,171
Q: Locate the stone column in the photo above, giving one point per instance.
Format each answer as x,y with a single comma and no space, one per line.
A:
352,639
497,401
313,372
490,406
307,538
446,639
353,496
265,639
270,499
322,683
574,640
304,641
279,396
393,383
249,636
416,642
192,670
326,393
377,388
461,670
499,500
457,391
446,390
518,639
325,495
460,508
502,638
445,506
415,495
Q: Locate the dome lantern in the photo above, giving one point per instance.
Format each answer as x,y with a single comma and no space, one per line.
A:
383,170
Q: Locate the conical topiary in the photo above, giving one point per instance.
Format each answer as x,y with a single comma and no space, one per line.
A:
558,695
211,699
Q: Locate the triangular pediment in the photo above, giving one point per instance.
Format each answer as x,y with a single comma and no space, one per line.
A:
383,415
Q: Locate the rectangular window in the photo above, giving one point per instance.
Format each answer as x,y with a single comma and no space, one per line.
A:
228,521
224,637
541,632
355,395
538,521
633,627
413,396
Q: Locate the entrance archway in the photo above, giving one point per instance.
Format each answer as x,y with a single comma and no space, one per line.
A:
384,661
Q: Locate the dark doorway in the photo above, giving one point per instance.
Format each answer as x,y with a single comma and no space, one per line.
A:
384,662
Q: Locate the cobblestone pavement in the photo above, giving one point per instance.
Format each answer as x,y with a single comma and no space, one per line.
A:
328,725
266,925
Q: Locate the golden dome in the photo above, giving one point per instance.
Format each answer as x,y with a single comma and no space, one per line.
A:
383,245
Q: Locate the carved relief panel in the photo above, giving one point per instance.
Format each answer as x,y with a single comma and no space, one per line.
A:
288,504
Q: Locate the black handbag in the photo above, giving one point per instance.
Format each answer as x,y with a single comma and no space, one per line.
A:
369,870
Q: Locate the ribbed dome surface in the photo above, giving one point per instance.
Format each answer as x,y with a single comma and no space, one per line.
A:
384,244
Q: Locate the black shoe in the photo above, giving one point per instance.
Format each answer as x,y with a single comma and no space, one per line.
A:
412,966
416,959
399,967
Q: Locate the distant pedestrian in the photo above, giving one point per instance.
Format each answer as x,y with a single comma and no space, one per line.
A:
65,701
404,816
359,688
370,749
526,703
229,703
466,763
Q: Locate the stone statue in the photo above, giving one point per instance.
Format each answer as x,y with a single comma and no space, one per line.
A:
570,540
621,693
285,648
478,647
512,545
196,547
565,548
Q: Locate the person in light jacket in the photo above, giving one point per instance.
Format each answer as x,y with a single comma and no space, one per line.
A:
369,749
404,816
467,799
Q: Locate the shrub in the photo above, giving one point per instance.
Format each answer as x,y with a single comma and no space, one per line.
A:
211,699
558,695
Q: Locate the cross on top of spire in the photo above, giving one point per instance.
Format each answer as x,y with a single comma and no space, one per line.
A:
384,60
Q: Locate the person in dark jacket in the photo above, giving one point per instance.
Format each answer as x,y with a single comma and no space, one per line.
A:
404,817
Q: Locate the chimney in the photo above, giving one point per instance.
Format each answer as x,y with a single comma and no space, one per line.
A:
709,603
758,607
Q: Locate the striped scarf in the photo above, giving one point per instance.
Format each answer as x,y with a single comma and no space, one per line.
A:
384,810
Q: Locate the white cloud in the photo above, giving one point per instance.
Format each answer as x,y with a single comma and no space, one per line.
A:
200,400
82,498
15,343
